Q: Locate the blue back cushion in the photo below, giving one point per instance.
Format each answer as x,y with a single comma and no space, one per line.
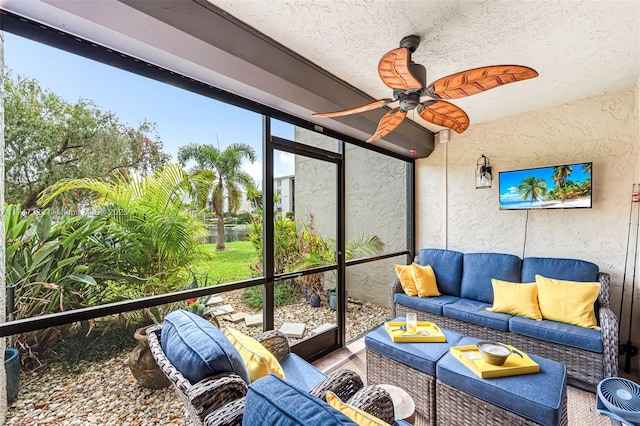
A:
447,265
559,269
272,401
480,268
198,349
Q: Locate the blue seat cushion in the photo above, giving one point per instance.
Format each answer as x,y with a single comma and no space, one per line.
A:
273,401
478,270
198,349
428,304
300,373
558,269
537,397
476,313
447,266
421,356
558,332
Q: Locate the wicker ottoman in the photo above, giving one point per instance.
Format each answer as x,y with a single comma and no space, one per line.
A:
410,366
464,398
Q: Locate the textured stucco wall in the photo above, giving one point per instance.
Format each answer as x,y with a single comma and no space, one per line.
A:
603,129
375,204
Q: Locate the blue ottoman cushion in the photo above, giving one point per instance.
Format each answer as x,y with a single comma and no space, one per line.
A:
421,356
537,397
558,332
198,349
272,401
476,313
480,268
447,266
300,373
428,304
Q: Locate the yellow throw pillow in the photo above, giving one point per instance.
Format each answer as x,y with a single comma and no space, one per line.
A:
570,302
258,360
405,275
425,280
357,415
516,299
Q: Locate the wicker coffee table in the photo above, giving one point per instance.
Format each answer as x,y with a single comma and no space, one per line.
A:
410,366
530,399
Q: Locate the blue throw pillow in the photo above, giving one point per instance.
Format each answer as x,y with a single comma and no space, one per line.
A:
272,401
198,349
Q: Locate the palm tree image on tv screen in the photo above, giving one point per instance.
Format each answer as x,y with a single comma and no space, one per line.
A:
553,187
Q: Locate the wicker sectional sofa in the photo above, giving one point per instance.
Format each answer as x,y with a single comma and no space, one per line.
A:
464,280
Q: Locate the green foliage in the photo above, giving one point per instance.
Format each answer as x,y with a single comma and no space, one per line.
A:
243,218
284,293
48,139
218,174
148,236
47,263
299,248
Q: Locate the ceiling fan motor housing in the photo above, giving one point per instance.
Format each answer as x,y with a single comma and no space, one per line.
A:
409,101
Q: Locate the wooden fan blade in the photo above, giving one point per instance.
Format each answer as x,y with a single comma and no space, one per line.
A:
445,114
470,82
388,123
362,108
394,70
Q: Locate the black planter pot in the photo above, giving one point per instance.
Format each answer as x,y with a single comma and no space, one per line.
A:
12,369
314,300
333,299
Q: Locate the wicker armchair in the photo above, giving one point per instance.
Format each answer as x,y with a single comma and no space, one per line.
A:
219,400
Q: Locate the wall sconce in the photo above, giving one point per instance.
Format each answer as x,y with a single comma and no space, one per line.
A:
483,173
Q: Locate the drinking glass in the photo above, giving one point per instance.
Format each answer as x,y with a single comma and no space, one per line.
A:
412,322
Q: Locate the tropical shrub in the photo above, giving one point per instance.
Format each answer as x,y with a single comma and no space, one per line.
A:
48,267
149,237
301,247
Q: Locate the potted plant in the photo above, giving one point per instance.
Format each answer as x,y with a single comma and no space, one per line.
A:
12,370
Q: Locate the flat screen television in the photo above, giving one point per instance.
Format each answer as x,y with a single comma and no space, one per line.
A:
567,186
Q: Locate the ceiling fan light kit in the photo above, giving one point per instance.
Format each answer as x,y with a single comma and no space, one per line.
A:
408,82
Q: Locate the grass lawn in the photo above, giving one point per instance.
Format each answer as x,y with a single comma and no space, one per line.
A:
230,265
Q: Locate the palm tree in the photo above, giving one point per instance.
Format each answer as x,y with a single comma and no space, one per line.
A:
217,174
254,196
532,187
560,174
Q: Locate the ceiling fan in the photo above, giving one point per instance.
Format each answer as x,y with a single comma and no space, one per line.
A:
408,81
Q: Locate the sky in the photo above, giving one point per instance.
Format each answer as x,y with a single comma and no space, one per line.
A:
509,181
181,117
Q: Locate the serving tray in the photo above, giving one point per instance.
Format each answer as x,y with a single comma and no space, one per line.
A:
516,364
426,332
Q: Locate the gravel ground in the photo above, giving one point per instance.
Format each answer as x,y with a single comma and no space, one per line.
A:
108,394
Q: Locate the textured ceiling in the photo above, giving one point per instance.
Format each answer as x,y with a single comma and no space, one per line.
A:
579,48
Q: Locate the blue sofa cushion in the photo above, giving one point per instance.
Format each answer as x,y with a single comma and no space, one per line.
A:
272,401
198,349
476,313
559,269
421,356
300,373
558,332
478,270
447,265
427,304
537,397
